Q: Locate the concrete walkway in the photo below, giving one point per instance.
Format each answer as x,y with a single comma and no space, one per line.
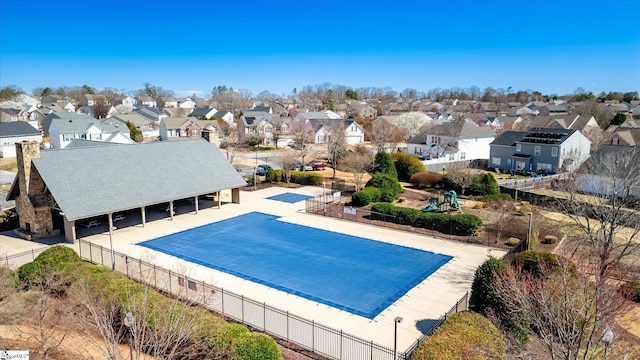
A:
419,308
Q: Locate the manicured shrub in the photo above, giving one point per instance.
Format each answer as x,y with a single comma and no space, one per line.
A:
58,254
631,290
271,176
388,185
382,164
425,179
306,178
366,196
550,239
458,224
406,165
488,185
225,340
251,346
483,297
52,266
465,335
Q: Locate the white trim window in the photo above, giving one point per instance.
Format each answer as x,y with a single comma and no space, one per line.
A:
554,152
536,150
495,162
518,147
463,156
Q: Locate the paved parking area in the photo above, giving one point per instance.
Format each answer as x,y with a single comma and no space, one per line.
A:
419,307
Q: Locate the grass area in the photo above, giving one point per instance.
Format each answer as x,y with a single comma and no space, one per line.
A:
8,164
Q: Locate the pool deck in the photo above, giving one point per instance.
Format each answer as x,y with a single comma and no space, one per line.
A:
426,302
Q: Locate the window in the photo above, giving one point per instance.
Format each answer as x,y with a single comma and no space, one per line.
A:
67,137
463,156
537,150
542,166
520,166
509,162
518,147
495,162
452,157
554,152
564,151
191,285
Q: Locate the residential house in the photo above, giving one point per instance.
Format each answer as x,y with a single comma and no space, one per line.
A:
251,120
56,99
539,150
88,100
361,109
203,113
124,100
186,104
226,116
529,109
554,109
11,115
150,112
625,136
16,132
603,174
455,141
148,127
146,101
56,190
260,107
170,103
89,110
58,107
179,128
209,130
353,132
64,130
326,114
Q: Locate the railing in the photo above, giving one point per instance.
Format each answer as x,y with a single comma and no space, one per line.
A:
533,183
304,333
16,260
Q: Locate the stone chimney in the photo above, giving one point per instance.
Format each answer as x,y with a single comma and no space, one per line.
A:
24,153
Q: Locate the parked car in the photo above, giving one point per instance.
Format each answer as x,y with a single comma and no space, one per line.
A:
317,165
90,224
299,167
263,170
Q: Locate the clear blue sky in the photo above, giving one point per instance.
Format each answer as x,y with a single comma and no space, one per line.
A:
191,46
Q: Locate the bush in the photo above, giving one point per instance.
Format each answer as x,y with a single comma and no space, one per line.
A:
366,196
631,290
271,176
459,224
406,165
306,178
383,164
465,335
482,295
484,299
388,185
550,239
50,266
425,179
512,241
536,262
251,346
488,185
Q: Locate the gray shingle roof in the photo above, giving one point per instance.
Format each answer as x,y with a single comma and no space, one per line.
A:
90,181
17,128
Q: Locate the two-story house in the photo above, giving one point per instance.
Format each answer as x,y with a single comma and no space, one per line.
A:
455,141
539,150
353,132
16,132
62,131
204,113
250,121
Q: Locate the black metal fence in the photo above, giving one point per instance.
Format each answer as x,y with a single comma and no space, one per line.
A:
304,333
16,260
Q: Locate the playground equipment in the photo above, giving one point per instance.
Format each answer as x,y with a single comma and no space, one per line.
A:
450,199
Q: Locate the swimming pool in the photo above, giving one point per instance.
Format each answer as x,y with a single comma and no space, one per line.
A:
351,273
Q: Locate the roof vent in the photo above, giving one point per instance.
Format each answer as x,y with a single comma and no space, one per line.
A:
70,120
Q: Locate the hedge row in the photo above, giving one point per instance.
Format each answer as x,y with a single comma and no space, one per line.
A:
458,224
297,177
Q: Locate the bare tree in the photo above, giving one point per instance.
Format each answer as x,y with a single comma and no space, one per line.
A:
464,177
605,217
287,161
501,212
302,136
279,128
231,139
384,134
336,142
357,163
567,311
101,106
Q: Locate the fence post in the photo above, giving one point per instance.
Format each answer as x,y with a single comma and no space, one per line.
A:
101,256
264,316
171,292
155,280
33,255
90,252
242,306
340,343
126,264
287,325
222,299
313,337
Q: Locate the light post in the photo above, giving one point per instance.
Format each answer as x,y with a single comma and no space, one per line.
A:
396,321
607,338
129,321
529,232
255,171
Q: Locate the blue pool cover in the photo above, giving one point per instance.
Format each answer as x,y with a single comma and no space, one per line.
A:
289,197
350,273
